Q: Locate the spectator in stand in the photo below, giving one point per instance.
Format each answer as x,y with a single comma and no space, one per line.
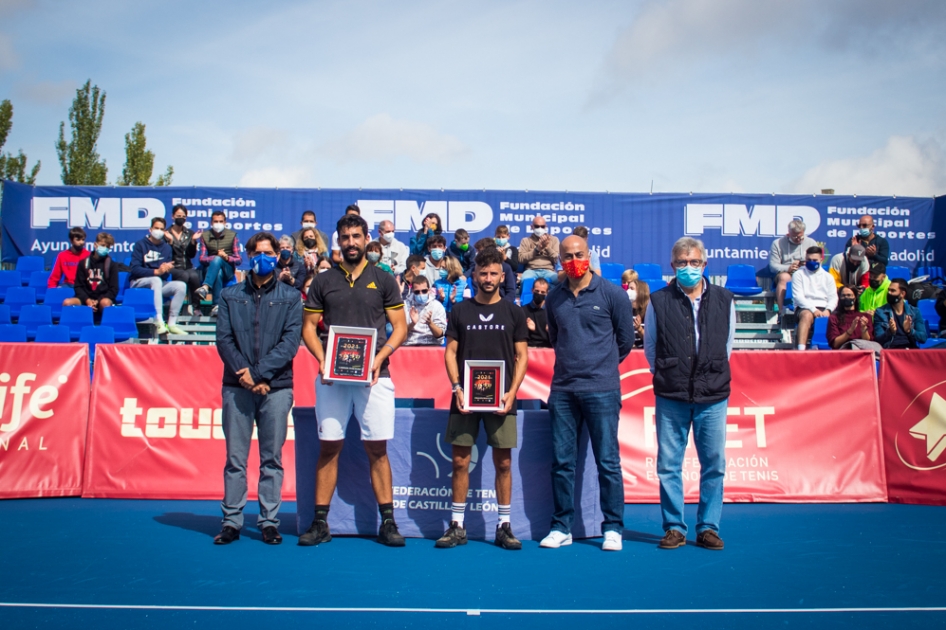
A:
539,252
183,242
814,294
309,222
436,267
324,265
415,267
899,324
507,287
875,295
432,225
875,246
787,256
336,252
848,327
96,278
289,267
450,290
511,252
311,249
461,250
851,268
258,334
537,320
426,317
219,256
64,268
394,253
373,254
639,304
151,264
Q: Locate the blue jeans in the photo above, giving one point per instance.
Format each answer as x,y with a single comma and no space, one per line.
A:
673,420
218,273
601,412
550,276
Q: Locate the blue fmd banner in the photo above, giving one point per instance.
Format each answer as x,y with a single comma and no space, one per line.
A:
625,228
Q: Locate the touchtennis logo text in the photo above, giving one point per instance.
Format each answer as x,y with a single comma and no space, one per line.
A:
171,422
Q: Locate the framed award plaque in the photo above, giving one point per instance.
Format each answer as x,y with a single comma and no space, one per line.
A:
484,385
349,354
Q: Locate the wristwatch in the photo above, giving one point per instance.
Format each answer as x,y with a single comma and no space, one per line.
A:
456,386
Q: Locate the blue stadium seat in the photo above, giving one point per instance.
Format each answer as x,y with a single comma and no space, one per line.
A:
123,282
930,316
8,279
127,261
527,284
819,337
17,298
75,318
741,280
142,300
899,272
935,274
38,281
651,274
26,265
122,321
33,316
52,334
525,298
12,333
609,271
55,297
4,314
94,335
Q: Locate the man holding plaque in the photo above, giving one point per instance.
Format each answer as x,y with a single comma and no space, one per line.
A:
591,327
486,358
355,300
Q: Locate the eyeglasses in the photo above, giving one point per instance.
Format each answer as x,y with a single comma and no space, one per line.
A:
680,264
797,238
421,291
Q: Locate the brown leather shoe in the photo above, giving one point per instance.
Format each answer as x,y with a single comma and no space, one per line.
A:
708,539
672,540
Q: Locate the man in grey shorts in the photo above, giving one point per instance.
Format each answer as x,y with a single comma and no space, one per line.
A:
486,328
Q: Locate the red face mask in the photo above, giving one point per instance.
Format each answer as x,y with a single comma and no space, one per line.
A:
576,268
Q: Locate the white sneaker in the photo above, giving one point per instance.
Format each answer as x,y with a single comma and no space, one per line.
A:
556,539
612,541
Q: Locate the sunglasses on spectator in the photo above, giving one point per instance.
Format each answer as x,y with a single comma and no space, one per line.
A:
421,291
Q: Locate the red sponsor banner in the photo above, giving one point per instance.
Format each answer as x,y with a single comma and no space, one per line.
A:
155,430
801,427
44,405
913,408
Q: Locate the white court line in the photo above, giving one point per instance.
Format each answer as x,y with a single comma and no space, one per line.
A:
482,611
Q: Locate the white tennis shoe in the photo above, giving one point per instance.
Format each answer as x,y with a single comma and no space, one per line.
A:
556,539
612,541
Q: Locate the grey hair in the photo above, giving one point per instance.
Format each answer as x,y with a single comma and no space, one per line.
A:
685,244
292,241
797,226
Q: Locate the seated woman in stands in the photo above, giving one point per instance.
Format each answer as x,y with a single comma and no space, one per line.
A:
848,327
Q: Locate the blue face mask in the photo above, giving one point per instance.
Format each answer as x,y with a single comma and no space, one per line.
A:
501,242
812,265
443,273
373,257
421,298
688,276
864,232
102,251
436,254
285,254
263,264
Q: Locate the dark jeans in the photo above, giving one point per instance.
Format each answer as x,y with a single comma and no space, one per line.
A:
217,274
190,277
601,412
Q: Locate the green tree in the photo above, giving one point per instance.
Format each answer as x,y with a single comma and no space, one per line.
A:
13,167
79,158
139,161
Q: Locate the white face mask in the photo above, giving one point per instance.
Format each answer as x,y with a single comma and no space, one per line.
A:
539,231
387,237
218,227
157,234
308,225
632,294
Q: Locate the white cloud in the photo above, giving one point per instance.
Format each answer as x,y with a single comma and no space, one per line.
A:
904,166
46,92
252,144
384,138
276,177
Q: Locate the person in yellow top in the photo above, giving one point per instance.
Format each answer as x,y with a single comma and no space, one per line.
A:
875,295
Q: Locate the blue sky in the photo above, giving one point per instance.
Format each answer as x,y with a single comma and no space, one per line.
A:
692,95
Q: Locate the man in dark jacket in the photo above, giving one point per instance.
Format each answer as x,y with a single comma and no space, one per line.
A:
687,341
259,327
96,283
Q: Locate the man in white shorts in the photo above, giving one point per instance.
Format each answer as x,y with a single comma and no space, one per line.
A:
361,295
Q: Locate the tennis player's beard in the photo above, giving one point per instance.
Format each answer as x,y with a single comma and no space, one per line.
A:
356,260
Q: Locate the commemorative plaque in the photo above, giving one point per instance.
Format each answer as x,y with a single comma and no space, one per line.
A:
484,385
349,354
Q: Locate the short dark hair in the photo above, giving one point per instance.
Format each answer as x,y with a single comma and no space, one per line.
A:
153,221
261,236
502,229
852,289
483,243
353,207
582,231
422,279
105,237
76,232
307,213
373,246
540,281
218,213
177,207
350,221
461,233
878,268
436,239
814,249
414,260
490,256
904,285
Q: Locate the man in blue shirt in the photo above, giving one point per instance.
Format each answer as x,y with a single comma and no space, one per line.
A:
591,328
151,263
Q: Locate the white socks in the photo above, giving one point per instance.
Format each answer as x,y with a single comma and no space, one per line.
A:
457,513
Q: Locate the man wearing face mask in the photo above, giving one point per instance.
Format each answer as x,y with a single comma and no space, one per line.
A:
394,253
96,278
415,267
219,256
308,221
814,294
426,317
68,260
539,252
591,329
536,318
436,268
899,324
876,247
786,256
258,332
688,340
461,250
151,264
875,295
290,269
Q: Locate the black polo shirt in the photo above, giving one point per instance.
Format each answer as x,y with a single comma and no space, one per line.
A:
360,303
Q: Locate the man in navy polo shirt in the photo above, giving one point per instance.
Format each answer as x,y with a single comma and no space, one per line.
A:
591,327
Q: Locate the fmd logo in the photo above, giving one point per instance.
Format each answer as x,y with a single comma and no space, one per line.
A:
408,215
733,219
127,213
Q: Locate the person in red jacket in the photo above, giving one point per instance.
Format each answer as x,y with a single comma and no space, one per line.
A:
68,260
